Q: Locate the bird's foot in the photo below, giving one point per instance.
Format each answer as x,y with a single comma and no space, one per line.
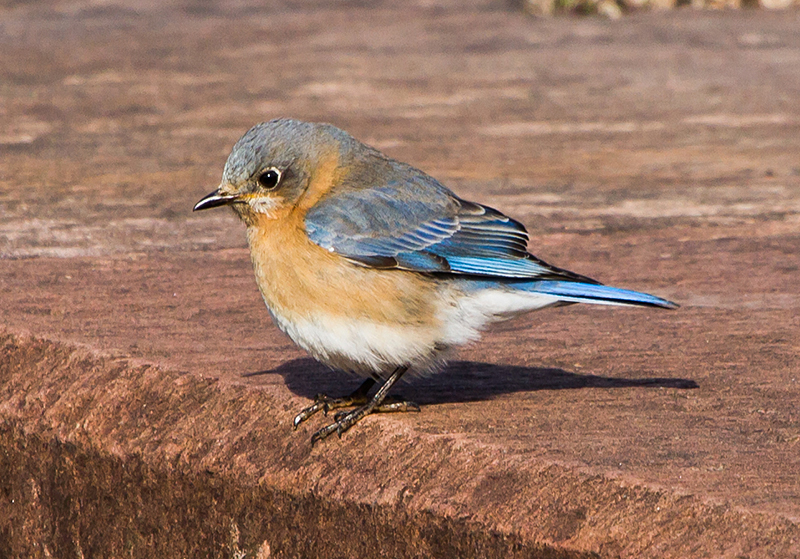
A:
389,405
342,421
325,403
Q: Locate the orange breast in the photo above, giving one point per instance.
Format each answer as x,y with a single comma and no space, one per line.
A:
300,280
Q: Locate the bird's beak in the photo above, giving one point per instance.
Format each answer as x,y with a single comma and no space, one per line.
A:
213,200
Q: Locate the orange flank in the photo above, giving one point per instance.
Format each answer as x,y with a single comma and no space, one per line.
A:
300,280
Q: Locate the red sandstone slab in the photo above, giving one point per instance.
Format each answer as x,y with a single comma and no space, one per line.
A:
658,153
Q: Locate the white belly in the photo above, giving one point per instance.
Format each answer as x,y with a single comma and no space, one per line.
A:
365,347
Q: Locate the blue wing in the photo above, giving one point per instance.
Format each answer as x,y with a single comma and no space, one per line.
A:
414,223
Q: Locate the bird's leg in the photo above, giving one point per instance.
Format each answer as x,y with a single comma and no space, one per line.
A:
325,403
344,421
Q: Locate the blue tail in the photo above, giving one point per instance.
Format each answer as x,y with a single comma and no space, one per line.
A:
576,292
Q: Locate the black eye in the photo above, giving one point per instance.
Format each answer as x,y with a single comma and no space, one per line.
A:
269,178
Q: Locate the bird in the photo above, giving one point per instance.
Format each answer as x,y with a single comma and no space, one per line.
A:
374,267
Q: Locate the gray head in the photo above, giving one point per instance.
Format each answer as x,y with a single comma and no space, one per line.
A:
272,165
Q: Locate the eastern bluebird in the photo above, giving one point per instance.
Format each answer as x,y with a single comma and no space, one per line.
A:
372,266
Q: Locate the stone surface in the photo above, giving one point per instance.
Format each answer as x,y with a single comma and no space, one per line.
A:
147,399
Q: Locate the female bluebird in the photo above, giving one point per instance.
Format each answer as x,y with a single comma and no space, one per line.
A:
372,266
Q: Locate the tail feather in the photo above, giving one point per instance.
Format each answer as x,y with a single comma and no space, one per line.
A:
576,292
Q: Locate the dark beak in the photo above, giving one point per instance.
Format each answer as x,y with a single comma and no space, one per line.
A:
213,200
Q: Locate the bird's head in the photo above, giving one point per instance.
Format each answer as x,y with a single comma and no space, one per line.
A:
271,167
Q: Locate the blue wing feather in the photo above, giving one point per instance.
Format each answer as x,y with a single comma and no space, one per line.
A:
415,223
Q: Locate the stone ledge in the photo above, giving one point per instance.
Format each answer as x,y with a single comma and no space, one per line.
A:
657,153
106,455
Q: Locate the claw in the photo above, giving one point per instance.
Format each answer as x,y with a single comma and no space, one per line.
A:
323,433
306,413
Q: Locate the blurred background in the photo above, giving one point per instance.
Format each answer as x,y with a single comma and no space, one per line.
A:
115,117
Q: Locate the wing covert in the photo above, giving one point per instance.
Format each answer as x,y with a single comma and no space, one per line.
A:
419,225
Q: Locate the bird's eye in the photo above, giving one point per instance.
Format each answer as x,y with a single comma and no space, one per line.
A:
269,178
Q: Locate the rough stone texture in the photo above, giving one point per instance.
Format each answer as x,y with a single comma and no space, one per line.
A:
146,399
